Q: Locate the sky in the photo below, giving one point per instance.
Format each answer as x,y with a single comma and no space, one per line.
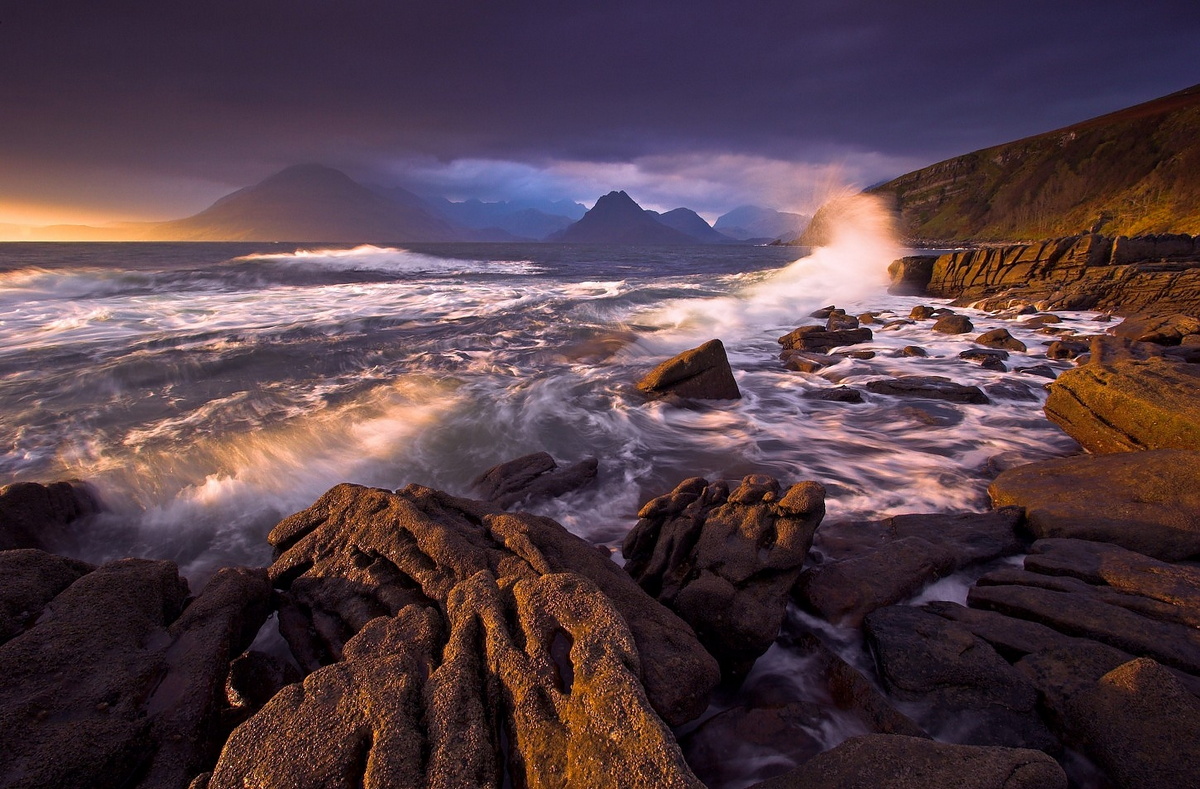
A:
132,110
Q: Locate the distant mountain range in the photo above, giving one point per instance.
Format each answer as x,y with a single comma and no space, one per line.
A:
756,223
313,203
1131,172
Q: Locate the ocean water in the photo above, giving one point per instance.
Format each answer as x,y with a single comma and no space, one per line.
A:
207,390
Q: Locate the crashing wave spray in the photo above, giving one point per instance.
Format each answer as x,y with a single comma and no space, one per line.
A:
856,240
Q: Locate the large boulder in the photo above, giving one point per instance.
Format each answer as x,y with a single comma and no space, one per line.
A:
122,684
1118,402
1157,328
702,373
972,694
724,560
909,276
1148,502
34,515
868,565
32,578
897,762
532,477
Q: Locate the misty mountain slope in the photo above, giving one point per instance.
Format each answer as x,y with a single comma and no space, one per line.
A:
687,221
1134,171
307,202
617,219
753,221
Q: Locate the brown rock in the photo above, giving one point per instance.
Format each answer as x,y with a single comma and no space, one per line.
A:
913,350
724,561
897,762
802,362
1000,338
835,394
910,275
1128,572
921,312
1067,349
1157,328
532,477
841,322
953,324
821,340
701,373
1148,502
32,578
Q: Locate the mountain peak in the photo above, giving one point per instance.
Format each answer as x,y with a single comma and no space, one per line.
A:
616,218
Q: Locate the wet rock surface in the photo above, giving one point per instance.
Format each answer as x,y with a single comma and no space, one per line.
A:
724,560
934,387
33,515
702,373
819,339
532,477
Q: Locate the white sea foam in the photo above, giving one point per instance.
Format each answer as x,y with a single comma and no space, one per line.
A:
392,260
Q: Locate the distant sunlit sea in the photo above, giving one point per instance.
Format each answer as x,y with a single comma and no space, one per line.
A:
207,390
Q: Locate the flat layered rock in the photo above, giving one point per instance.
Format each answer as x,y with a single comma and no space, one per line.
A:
1169,329
897,762
724,560
1120,403
702,373
1148,502
973,695
934,387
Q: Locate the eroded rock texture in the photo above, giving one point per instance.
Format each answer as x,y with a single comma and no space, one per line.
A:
532,477
724,560
702,373
33,515
452,644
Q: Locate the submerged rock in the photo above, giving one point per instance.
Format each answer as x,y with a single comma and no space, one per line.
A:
821,340
898,762
702,373
1148,502
531,477
934,387
724,560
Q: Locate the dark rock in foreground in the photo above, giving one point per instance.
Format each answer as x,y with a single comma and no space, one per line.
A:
934,387
119,684
1118,402
1148,502
531,477
973,696
724,560
897,762
701,373
32,515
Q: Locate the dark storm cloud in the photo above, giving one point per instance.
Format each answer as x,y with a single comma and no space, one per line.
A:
228,91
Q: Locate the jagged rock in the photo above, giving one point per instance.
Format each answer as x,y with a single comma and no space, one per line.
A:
531,477
531,678
1148,502
836,394
1067,349
1118,402
821,340
1079,610
724,561
122,685
359,553
897,762
254,678
868,565
1135,720
32,578
701,373
934,387
909,276
913,350
825,312
1000,338
1126,571
974,696
953,324
752,742
1157,328
33,515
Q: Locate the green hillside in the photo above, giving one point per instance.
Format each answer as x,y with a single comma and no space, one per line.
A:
1135,171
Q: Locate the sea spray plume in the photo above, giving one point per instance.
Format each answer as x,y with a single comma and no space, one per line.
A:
858,240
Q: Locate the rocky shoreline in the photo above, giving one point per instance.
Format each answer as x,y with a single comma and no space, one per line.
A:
432,640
